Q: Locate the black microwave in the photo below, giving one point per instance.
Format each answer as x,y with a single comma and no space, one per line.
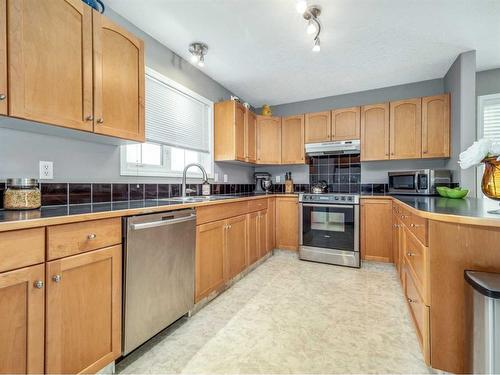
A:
422,181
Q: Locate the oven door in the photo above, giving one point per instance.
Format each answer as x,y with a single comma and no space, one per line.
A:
330,226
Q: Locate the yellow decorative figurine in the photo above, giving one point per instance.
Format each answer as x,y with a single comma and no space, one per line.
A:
266,110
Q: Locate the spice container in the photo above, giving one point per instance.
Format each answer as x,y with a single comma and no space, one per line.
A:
22,194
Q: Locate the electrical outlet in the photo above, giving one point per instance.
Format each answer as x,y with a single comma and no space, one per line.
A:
278,179
46,170
216,177
225,178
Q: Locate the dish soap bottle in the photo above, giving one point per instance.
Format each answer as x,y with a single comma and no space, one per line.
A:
205,188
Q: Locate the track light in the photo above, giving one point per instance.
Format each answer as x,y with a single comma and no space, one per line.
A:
198,52
301,6
317,45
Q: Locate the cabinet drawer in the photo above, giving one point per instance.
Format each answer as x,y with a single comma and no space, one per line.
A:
223,211
69,239
418,226
257,205
417,257
21,248
419,312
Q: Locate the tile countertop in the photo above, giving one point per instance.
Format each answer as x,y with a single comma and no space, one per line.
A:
465,211
53,215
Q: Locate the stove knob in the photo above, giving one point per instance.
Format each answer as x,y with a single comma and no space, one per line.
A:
342,198
336,198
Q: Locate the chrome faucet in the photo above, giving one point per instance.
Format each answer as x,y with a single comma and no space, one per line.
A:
184,175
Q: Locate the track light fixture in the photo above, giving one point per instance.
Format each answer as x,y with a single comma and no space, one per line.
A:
311,15
198,51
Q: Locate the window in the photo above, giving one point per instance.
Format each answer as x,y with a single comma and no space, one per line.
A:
179,131
488,125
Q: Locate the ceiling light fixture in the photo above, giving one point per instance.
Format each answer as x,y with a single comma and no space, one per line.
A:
198,51
311,15
301,6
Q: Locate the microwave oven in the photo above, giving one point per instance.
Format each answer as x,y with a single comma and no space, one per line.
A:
421,181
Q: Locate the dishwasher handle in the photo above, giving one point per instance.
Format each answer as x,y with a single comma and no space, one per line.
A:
161,223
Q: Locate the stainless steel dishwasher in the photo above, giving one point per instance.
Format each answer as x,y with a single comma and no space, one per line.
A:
158,283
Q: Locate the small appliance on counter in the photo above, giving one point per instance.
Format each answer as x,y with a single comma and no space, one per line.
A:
22,194
263,182
288,183
420,182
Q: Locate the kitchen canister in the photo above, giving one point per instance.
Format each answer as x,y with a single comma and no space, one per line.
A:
22,194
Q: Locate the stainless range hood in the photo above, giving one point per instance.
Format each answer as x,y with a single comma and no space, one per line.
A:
333,148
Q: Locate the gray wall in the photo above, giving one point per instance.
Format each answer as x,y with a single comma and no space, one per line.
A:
460,81
82,161
488,82
370,171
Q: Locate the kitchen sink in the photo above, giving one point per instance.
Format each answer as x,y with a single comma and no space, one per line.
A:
204,198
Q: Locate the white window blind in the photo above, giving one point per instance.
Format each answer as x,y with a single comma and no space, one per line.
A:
491,117
174,118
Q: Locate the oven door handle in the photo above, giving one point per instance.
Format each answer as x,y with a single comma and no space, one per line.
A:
327,205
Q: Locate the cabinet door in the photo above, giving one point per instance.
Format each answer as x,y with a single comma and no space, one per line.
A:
239,131
253,237
3,58
406,129
395,241
50,62
271,224
345,124
251,137
318,127
262,224
236,245
376,230
375,132
292,140
436,126
268,140
83,318
118,81
22,324
287,223
210,270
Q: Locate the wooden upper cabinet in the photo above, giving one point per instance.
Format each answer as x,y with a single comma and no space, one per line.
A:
436,126
406,129
236,245
345,124
50,62
318,127
375,132
83,320
292,140
3,58
22,324
210,268
250,137
376,230
118,81
268,140
230,130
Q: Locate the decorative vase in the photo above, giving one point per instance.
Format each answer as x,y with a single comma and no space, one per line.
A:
266,110
490,184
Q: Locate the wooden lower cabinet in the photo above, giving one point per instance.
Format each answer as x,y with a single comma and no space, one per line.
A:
397,243
287,223
253,237
236,245
263,243
271,224
83,311
209,258
376,230
22,324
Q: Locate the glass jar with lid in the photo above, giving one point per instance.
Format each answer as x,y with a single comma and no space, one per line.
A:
22,194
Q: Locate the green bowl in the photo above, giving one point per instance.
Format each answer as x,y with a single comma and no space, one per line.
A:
443,191
457,193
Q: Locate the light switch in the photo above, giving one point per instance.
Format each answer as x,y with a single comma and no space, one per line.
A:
225,178
278,179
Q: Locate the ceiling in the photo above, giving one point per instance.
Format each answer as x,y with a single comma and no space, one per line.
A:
259,49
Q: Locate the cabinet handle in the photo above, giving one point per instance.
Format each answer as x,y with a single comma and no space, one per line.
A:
415,225
92,236
100,121
38,284
89,118
410,254
3,96
56,278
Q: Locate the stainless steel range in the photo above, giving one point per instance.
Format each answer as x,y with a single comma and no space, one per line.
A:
329,228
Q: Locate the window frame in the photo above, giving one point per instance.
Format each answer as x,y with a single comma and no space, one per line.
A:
481,100
147,170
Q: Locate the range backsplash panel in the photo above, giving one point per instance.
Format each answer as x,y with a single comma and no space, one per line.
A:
342,173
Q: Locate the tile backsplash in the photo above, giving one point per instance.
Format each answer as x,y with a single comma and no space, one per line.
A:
342,173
